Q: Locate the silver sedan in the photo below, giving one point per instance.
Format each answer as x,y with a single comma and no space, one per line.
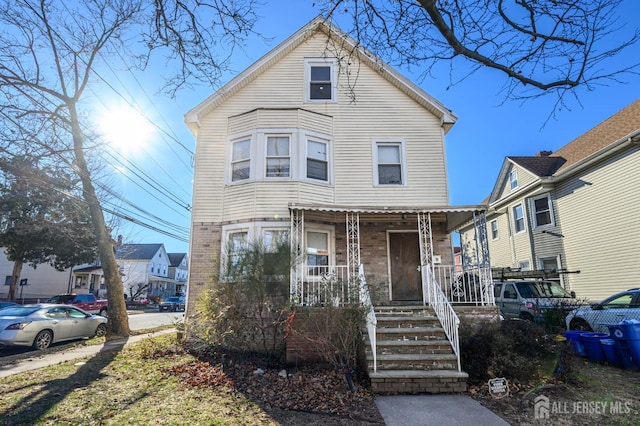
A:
42,324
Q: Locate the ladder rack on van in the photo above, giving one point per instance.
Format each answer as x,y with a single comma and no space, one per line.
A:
503,274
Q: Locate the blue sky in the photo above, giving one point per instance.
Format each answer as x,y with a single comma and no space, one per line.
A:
488,127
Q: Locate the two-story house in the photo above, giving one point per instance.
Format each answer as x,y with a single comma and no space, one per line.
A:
322,143
179,271
571,215
144,269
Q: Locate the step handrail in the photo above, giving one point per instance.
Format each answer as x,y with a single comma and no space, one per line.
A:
433,294
372,322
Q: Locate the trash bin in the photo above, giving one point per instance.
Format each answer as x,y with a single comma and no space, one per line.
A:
610,352
627,337
573,337
592,345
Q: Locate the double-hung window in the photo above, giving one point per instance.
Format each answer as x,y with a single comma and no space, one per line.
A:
278,156
542,211
513,179
237,243
389,163
317,252
321,75
317,160
241,160
494,230
518,219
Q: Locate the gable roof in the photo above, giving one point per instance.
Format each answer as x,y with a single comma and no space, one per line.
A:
176,258
610,133
319,24
136,251
619,126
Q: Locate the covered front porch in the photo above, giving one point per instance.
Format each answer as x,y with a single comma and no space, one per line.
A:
387,257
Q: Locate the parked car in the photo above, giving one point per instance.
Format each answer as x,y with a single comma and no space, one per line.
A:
612,310
87,302
530,299
40,325
173,304
7,304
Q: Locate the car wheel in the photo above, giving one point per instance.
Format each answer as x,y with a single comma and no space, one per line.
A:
43,340
103,313
101,330
580,324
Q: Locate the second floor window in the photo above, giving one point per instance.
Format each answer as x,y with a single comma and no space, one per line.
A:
542,211
518,219
317,162
494,230
389,163
241,160
278,156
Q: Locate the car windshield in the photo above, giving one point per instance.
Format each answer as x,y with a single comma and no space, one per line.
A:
18,311
61,298
173,299
542,289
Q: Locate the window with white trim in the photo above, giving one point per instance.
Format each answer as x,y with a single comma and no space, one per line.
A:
518,219
317,160
237,242
320,77
241,160
388,157
541,207
513,179
494,230
548,263
271,238
524,265
317,250
278,158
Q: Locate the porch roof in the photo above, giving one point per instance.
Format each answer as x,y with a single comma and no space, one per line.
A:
455,216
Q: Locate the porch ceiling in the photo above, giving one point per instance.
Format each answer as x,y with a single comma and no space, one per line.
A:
453,216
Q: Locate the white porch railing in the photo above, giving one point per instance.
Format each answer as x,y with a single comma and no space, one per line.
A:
328,285
471,287
372,322
433,294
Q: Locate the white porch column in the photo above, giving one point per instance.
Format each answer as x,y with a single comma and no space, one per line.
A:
426,253
297,251
482,249
353,243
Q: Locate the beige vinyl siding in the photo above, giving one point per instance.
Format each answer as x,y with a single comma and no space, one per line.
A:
599,214
380,111
525,177
500,249
550,242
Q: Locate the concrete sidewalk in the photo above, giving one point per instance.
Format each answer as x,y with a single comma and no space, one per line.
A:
39,361
440,410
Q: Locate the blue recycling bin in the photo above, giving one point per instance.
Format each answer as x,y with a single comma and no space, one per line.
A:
592,345
627,337
573,338
610,352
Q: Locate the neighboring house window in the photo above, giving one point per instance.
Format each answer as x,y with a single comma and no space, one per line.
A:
542,211
518,219
549,263
151,265
320,77
278,156
513,179
524,265
388,163
7,280
317,252
494,230
241,160
317,160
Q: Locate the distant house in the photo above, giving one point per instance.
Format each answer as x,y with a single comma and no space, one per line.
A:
179,270
358,186
572,215
41,282
144,269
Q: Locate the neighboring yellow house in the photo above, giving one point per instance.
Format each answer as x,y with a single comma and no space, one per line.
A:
572,213
324,144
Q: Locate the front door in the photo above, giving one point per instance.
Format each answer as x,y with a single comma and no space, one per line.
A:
404,255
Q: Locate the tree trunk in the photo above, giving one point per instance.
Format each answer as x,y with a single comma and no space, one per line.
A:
118,324
15,279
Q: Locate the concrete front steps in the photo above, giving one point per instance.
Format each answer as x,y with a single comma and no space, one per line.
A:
413,354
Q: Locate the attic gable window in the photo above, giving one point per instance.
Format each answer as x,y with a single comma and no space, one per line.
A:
320,78
513,179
